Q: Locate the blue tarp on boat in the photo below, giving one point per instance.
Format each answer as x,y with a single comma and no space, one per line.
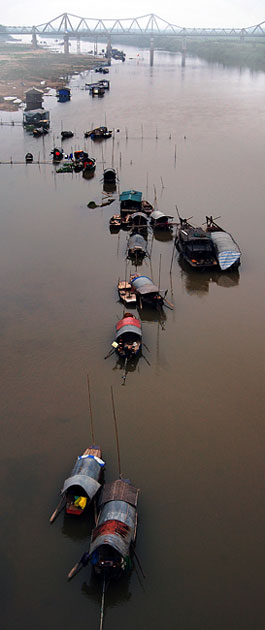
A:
131,195
227,250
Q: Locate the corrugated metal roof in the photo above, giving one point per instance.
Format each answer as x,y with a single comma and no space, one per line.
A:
136,241
119,490
89,485
157,214
128,328
141,215
123,513
144,285
86,473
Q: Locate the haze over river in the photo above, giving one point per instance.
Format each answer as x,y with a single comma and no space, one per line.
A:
191,424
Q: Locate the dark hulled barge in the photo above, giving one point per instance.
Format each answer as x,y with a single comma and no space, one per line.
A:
195,245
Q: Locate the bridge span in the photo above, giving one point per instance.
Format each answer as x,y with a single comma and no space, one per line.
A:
68,25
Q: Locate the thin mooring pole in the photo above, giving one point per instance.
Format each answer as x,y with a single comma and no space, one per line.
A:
116,430
102,604
90,411
159,272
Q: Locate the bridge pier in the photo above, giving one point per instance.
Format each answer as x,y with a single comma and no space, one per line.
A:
152,48
66,43
34,38
78,44
108,50
183,52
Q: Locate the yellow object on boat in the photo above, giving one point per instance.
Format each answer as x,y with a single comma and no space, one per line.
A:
81,502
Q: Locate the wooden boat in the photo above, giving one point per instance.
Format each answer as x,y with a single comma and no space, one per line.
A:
89,165
100,133
109,176
160,221
57,154
137,247
115,223
102,83
126,221
130,202
126,293
114,536
39,131
84,482
147,293
195,245
139,219
66,134
28,158
128,337
147,207
102,70
97,90
225,247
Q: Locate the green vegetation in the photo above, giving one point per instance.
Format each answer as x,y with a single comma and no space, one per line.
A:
249,53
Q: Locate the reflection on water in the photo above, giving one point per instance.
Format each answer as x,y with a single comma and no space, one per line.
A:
116,592
79,528
198,282
163,236
109,187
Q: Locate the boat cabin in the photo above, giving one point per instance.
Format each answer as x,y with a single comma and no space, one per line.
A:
63,94
159,220
36,118
195,245
137,247
130,202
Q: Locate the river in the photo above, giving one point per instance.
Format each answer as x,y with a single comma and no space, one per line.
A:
191,424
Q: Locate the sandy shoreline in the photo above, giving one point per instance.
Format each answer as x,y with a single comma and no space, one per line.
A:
22,68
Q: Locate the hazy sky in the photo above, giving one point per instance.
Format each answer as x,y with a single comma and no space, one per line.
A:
220,13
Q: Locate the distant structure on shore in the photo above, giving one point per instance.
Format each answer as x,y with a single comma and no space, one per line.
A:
34,98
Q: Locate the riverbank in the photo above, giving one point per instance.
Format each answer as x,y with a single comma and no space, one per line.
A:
21,67
243,54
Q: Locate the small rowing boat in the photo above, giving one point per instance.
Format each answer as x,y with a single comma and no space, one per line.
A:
126,293
137,248
83,484
128,338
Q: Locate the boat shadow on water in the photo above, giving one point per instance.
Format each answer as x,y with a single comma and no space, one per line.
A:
130,366
163,235
197,281
78,529
148,314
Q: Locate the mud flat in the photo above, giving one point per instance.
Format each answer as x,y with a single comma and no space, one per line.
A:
21,67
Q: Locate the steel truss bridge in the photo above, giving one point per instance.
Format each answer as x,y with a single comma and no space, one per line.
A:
68,25
151,25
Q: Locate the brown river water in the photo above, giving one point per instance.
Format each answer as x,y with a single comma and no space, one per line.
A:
191,424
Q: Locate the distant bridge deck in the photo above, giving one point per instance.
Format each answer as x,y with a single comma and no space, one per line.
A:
150,24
